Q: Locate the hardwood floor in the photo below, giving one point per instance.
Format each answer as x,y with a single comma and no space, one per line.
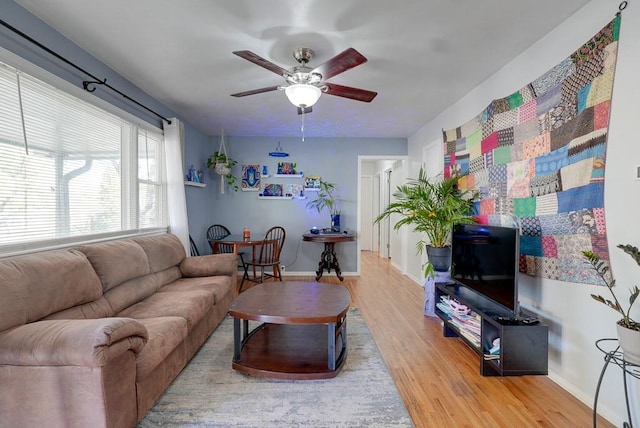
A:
439,378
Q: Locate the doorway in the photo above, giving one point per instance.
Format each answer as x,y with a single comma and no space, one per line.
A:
376,180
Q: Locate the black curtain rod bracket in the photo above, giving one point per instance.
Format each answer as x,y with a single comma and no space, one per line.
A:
87,85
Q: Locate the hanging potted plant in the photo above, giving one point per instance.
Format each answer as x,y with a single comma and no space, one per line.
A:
326,198
432,206
628,329
222,164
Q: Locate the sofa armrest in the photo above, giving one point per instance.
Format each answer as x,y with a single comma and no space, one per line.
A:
90,343
210,265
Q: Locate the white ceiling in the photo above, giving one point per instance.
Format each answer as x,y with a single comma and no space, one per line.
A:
423,55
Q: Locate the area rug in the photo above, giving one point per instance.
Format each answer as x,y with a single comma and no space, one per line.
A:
209,393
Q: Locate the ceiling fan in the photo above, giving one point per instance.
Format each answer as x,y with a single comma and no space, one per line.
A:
304,85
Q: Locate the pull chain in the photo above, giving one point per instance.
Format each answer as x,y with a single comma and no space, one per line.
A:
302,126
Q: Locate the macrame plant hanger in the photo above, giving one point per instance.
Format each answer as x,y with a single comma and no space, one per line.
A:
221,168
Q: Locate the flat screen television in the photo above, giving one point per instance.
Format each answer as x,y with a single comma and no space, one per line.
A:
485,259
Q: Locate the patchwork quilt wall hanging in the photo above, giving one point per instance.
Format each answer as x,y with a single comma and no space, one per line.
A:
537,159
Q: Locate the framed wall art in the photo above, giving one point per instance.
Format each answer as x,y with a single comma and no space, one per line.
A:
250,178
312,183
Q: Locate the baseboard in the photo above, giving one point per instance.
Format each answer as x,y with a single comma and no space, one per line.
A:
603,410
418,281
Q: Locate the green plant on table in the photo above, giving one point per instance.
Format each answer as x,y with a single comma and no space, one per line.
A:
326,198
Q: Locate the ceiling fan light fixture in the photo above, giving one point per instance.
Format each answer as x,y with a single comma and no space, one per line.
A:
302,95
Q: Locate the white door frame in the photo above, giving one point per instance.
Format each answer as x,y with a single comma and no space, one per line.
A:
368,212
362,158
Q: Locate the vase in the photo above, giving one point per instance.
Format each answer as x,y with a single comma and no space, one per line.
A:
439,257
629,341
335,222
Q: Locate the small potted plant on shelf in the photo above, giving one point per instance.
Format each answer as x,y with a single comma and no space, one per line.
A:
222,164
628,329
326,198
432,206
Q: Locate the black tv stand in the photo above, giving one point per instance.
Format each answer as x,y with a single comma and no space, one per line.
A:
524,341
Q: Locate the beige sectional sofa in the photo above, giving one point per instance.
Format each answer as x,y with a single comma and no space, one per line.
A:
92,336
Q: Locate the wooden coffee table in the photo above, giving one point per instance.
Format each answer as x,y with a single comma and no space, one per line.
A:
303,330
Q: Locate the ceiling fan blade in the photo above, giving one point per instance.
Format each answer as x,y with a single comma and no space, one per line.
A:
265,63
349,92
306,110
340,63
256,91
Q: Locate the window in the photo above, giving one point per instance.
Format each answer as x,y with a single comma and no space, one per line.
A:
72,172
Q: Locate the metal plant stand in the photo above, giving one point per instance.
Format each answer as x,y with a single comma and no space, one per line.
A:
616,357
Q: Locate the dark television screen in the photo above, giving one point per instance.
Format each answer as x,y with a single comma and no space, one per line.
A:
485,259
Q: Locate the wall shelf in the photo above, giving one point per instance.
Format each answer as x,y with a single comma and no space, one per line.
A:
283,197
288,175
194,184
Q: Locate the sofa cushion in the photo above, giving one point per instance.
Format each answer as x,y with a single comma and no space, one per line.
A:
167,276
165,334
210,265
218,286
190,305
117,261
163,251
36,285
131,292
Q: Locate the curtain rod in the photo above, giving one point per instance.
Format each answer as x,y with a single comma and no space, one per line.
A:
88,85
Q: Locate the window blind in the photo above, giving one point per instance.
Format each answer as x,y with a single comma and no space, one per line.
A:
70,171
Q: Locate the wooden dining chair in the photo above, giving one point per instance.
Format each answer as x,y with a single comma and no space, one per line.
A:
268,257
193,247
218,231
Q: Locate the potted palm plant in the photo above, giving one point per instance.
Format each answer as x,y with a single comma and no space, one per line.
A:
432,206
628,329
326,198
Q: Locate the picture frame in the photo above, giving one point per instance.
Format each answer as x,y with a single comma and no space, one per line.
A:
250,178
312,183
272,189
287,168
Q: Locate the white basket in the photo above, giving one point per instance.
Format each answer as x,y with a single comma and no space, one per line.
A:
222,169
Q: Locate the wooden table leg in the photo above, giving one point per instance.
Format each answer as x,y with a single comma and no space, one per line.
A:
336,264
329,260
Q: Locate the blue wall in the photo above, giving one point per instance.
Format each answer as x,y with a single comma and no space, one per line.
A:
333,159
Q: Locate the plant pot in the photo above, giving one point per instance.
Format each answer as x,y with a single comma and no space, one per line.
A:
222,169
439,257
629,343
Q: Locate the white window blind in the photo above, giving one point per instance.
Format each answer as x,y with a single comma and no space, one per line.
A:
70,171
